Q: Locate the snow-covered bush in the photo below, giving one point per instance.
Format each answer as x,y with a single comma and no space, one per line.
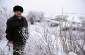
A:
72,53
35,16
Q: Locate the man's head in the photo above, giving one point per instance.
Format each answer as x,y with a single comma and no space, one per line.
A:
18,10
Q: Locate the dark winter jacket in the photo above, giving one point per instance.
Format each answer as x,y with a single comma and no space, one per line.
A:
17,29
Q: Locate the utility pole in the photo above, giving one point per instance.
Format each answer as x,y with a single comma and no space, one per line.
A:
61,23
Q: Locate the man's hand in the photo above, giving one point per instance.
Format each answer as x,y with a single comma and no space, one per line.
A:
11,42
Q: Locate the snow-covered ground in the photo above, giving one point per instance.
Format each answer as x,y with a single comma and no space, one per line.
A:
45,40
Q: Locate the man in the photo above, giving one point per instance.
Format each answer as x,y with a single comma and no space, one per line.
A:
17,31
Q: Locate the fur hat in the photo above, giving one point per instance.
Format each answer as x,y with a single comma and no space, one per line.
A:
17,8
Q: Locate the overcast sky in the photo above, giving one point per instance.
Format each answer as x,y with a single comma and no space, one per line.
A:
50,7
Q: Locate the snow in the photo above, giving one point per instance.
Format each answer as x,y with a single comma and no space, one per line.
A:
72,53
40,42
84,47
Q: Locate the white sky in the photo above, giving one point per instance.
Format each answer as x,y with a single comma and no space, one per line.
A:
50,7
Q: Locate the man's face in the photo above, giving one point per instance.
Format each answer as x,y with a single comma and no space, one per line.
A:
18,13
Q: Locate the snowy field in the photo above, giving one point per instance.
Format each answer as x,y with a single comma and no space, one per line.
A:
45,40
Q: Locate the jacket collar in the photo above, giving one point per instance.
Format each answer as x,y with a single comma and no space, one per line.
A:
16,17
